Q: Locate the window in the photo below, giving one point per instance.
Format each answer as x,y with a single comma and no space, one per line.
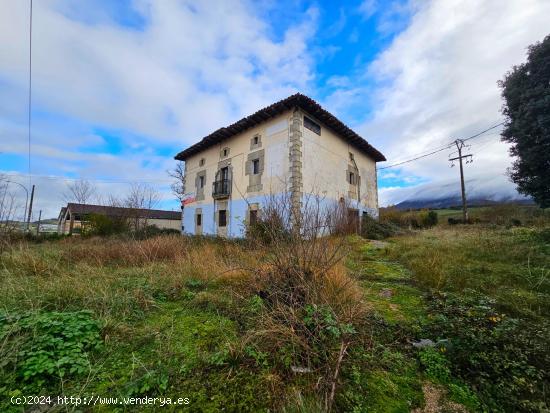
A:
199,220
253,217
255,142
224,173
225,152
255,166
201,162
312,126
351,178
222,218
351,156
201,181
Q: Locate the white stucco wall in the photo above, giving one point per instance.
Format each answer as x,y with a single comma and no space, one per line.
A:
325,160
274,143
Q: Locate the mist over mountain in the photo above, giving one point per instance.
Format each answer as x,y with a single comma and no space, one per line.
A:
479,191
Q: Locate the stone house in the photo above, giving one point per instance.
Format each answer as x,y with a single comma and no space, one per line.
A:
292,146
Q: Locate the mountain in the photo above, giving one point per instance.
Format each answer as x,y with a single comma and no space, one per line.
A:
447,194
455,202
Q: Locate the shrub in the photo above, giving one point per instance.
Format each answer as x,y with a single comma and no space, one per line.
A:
151,231
374,229
50,345
408,219
310,307
429,219
504,358
102,225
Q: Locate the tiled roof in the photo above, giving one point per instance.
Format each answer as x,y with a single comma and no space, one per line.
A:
297,100
83,209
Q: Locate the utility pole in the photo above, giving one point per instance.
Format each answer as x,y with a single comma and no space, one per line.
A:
460,145
38,226
30,208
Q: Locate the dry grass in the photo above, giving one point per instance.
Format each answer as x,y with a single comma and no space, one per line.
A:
511,264
311,307
114,278
312,310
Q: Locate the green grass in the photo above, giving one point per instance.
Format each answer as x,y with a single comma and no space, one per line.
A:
180,323
511,265
456,212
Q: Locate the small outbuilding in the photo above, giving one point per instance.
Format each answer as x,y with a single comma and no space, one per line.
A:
73,217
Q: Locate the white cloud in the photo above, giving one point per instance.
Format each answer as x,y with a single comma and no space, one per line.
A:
438,82
192,67
367,8
196,66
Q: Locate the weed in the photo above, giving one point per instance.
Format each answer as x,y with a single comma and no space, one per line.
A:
489,350
49,346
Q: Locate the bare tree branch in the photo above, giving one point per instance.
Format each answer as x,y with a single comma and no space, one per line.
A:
80,191
141,196
178,186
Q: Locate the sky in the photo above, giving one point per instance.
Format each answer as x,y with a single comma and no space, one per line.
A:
119,87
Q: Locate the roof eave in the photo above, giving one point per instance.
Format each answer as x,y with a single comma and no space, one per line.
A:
298,100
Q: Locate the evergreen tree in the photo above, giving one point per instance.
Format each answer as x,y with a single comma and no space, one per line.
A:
526,93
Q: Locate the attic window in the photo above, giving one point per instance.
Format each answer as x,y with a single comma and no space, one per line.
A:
255,140
351,156
225,152
312,126
201,162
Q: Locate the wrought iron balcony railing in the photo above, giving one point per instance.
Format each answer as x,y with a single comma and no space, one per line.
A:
221,188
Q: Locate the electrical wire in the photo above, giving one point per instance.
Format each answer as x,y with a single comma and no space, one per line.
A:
443,148
30,91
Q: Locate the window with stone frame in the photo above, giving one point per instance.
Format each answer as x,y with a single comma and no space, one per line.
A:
256,166
312,125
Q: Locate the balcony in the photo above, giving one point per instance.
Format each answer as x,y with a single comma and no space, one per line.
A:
221,188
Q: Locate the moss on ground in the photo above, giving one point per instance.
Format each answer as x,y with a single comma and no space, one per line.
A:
177,328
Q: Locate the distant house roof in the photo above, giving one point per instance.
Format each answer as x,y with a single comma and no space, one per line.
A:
297,100
62,212
84,209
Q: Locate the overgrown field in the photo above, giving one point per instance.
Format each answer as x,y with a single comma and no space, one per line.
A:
237,326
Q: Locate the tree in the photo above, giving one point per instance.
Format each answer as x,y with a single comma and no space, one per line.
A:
526,94
80,191
141,196
178,186
8,209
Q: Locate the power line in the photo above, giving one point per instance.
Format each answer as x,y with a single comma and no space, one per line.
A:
441,149
105,181
482,132
30,89
414,159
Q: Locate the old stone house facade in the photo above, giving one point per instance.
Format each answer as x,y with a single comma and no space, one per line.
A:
293,146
